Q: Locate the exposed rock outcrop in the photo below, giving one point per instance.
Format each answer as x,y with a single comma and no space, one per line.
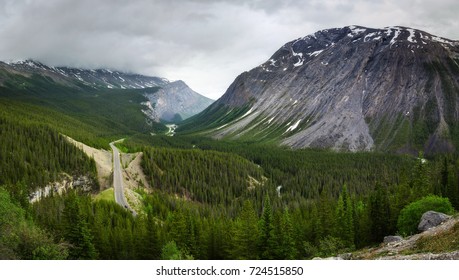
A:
175,102
67,182
392,238
431,219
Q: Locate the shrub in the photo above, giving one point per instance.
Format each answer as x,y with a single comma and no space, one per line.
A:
330,245
410,216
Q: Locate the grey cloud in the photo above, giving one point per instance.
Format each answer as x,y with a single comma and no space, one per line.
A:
206,43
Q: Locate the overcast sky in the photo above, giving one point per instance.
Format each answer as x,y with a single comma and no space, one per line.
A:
205,43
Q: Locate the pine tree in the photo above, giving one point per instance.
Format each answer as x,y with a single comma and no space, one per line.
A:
76,230
420,181
246,234
345,218
150,246
266,224
379,214
288,247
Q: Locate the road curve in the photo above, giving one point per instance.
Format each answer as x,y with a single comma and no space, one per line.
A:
118,179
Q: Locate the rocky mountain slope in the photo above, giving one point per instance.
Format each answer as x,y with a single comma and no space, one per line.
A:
98,78
175,101
167,99
351,88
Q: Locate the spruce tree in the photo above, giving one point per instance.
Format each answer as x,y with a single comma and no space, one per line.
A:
76,230
266,224
246,234
345,218
288,247
379,214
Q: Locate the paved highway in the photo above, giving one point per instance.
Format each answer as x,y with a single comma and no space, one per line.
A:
118,179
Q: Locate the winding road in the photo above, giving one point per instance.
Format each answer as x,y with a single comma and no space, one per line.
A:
118,179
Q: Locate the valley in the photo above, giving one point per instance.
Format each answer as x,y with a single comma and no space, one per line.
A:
320,151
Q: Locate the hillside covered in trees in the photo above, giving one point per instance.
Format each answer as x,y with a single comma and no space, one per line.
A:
207,199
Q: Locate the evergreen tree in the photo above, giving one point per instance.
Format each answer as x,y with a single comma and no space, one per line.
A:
379,214
246,234
421,183
345,218
266,224
326,215
76,230
150,246
288,246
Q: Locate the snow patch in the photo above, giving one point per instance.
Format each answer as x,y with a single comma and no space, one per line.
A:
220,127
316,53
441,40
388,31
355,30
300,58
299,63
411,37
247,113
273,62
293,127
394,39
374,36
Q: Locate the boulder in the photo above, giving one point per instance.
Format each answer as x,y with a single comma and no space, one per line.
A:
431,219
345,256
392,238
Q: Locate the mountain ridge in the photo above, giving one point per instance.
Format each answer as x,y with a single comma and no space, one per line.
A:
353,88
164,101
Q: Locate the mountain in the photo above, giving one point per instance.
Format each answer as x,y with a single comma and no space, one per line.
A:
351,88
168,98
175,101
98,78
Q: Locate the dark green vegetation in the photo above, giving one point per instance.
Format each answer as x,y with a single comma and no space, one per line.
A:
93,116
31,156
329,202
208,199
410,215
218,200
194,174
35,155
20,238
212,117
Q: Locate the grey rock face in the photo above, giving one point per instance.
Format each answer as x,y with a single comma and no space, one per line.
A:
392,238
66,182
431,219
175,100
350,88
